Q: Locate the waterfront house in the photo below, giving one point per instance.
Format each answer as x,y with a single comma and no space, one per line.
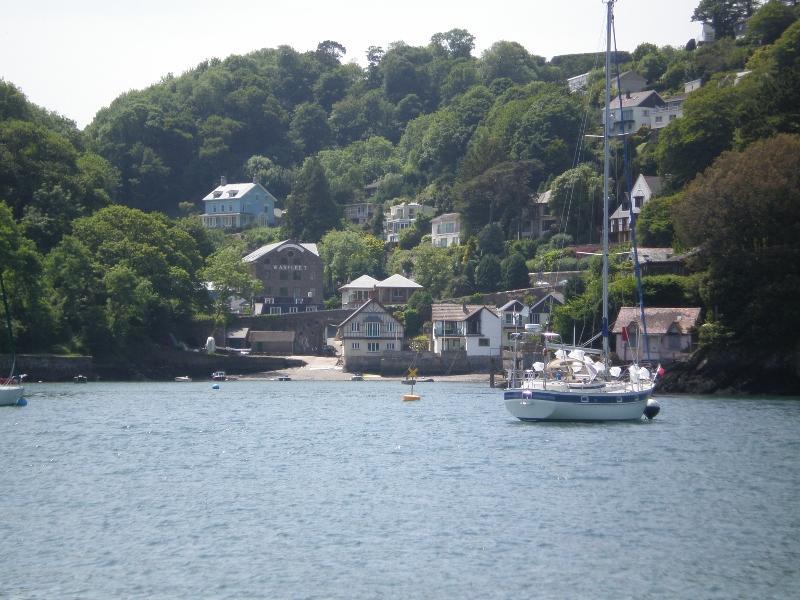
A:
360,213
669,333
238,205
291,277
366,334
473,329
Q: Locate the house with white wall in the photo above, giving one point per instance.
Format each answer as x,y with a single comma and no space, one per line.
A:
238,205
513,317
367,333
635,112
645,187
446,230
402,216
358,291
471,328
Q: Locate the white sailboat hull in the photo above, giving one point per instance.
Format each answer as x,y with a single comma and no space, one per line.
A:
10,394
584,405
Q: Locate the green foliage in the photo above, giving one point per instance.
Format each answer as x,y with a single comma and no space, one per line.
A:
515,273
770,21
349,254
743,215
577,198
491,240
228,276
654,225
488,273
310,209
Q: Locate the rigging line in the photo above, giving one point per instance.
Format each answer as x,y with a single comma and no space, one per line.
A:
629,191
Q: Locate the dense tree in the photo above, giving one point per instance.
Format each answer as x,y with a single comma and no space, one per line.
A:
349,254
309,128
770,21
310,209
576,199
654,226
515,273
744,215
488,274
723,15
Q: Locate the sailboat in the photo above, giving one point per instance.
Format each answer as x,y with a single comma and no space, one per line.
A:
11,391
572,386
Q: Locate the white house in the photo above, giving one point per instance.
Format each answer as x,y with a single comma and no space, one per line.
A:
358,291
636,111
669,333
646,187
536,219
402,216
446,230
360,213
237,205
662,116
367,333
471,328
578,82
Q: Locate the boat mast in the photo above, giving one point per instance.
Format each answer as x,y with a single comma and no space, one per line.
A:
606,174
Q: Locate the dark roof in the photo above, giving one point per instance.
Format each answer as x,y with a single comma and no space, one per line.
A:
647,99
457,312
659,320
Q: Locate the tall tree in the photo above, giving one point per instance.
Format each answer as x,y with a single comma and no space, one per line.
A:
310,209
744,215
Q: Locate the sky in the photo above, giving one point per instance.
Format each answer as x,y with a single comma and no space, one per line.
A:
74,57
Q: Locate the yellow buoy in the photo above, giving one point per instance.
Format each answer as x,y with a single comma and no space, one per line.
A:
409,397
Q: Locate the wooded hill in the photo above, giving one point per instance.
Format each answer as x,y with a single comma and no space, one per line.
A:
435,124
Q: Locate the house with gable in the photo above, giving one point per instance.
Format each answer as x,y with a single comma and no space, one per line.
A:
238,205
291,277
358,291
669,333
645,187
470,328
366,334
513,317
395,289
635,113
541,311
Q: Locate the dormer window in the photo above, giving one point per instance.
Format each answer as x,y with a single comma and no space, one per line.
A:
232,193
217,193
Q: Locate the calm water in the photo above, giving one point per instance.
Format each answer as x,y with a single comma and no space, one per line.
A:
340,490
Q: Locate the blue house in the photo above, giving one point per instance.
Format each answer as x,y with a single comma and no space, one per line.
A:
238,205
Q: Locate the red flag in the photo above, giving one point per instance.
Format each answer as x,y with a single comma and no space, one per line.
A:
624,334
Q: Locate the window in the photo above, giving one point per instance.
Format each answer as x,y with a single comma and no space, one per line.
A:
355,345
292,309
536,318
659,119
311,309
296,292
297,275
283,292
355,326
274,310
284,275
373,329
483,342
389,326
390,345
373,346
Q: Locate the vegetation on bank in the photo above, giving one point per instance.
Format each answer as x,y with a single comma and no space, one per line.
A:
102,249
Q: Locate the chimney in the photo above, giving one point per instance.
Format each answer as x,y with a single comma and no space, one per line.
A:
464,307
223,180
